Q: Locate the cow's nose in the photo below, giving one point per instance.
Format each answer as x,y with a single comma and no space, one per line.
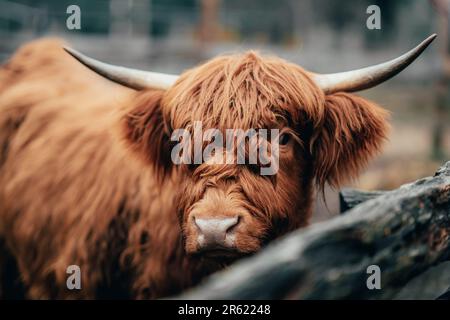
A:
216,233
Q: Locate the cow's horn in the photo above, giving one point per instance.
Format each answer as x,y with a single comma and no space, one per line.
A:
132,78
369,77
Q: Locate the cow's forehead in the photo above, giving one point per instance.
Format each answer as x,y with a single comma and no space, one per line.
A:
241,91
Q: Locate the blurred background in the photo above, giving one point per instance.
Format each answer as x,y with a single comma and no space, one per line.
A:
320,35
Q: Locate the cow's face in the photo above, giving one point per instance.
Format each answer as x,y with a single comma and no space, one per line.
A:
228,209
231,209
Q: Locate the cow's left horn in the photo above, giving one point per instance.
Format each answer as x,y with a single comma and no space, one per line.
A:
369,77
132,78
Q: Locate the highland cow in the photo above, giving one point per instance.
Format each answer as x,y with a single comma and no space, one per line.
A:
86,176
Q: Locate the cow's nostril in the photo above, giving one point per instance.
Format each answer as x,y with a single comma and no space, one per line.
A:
233,223
216,232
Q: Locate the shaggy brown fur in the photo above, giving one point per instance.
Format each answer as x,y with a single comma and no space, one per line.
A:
86,176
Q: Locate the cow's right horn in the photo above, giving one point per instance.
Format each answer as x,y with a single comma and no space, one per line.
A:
132,78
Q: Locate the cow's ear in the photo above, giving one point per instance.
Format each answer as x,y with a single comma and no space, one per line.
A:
350,133
146,133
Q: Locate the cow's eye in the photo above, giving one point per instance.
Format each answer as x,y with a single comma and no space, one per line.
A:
284,139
